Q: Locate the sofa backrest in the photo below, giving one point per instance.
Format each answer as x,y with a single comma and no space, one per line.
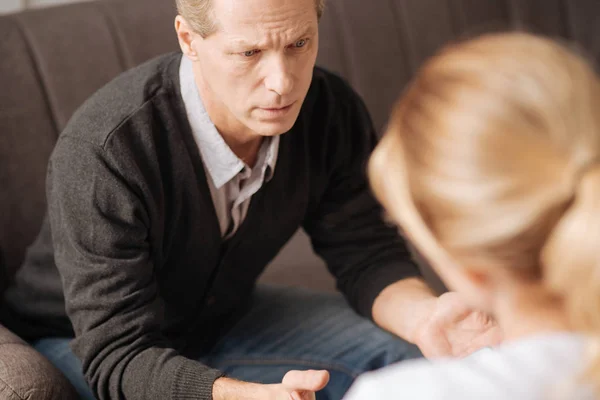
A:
52,59
378,45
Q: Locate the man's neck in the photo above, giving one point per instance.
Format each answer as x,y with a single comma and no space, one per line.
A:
247,152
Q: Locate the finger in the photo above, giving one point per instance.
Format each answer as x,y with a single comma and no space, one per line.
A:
435,345
478,321
303,395
296,395
492,337
310,380
452,308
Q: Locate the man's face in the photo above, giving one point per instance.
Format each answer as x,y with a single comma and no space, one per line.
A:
255,70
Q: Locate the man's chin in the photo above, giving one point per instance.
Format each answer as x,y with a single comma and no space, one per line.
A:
271,128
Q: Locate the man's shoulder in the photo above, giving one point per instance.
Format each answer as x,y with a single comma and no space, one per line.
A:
328,85
324,75
122,98
333,102
340,123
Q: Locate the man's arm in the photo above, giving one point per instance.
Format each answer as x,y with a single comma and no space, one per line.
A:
346,225
100,228
372,264
403,307
100,233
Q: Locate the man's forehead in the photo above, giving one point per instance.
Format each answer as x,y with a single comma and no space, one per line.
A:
261,22
259,37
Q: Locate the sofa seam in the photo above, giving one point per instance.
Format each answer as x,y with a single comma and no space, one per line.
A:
125,58
17,343
11,389
37,68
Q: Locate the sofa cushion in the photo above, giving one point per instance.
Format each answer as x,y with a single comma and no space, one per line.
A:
52,60
27,135
26,375
3,273
142,29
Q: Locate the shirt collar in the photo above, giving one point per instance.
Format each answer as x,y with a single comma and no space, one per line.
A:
220,161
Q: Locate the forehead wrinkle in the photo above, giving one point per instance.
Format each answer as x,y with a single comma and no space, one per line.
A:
271,35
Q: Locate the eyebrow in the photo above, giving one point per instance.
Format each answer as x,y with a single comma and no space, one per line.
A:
241,42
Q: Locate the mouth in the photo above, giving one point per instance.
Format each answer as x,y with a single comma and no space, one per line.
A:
276,110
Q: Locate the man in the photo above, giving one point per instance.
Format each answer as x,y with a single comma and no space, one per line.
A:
174,186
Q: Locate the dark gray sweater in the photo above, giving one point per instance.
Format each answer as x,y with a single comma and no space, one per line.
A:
148,282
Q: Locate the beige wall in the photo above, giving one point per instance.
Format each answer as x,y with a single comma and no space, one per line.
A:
8,6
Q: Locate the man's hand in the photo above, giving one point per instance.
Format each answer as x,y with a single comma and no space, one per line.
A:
454,329
296,385
439,326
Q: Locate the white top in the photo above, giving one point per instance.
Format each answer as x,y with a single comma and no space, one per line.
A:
536,368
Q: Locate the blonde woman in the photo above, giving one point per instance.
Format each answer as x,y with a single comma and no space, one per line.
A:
491,165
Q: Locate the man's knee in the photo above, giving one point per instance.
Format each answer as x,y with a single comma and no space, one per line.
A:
339,383
59,353
26,374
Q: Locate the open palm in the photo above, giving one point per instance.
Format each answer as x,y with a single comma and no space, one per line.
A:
456,330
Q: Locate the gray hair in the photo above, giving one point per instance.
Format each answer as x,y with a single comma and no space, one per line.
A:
198,14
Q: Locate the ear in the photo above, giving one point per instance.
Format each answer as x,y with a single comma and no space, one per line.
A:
186,37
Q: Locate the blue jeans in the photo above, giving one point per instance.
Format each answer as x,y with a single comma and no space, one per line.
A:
287,328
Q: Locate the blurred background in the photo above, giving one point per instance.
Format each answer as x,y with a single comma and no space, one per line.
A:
7,6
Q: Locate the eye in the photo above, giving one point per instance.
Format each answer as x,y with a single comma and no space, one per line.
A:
250,53
300,43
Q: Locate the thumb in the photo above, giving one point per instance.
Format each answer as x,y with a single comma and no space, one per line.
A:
310,380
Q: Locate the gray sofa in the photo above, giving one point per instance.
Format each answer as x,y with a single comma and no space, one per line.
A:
53,59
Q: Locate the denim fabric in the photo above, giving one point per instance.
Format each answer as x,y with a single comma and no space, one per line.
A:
286,328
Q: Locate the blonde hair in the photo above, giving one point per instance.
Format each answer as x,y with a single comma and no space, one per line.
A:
492,158
198,14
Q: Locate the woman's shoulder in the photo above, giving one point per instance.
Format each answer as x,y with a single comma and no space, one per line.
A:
408,379
524,370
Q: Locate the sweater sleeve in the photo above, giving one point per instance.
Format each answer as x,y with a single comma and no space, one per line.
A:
347,228
100,226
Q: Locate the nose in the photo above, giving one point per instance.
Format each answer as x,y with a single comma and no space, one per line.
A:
279,78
